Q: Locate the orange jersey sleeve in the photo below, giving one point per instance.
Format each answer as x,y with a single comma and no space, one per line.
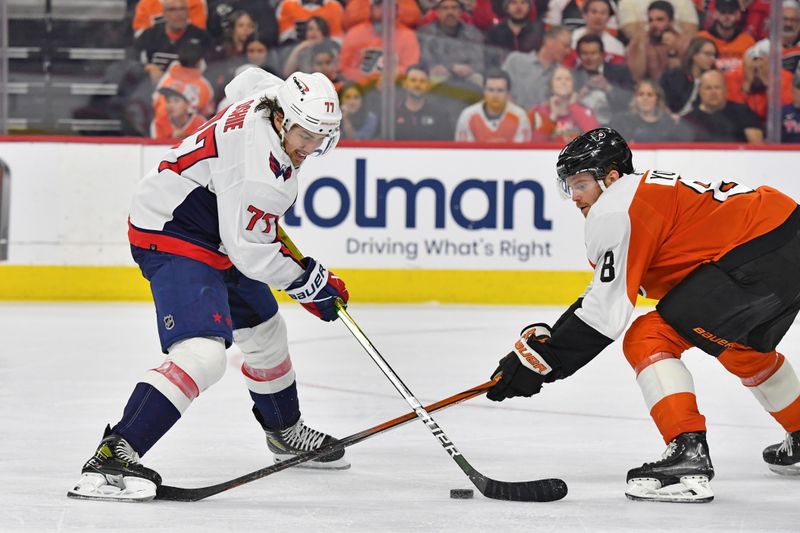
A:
647,232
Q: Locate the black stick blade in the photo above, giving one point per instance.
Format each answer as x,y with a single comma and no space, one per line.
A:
540,490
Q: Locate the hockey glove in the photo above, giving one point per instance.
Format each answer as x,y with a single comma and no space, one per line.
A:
522,371
317,290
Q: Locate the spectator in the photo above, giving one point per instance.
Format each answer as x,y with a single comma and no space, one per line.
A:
179,117
417,115
261,11
602,86
317,31
357,11
633,17
596,14
531,72
362,48
158,46
516,32
258,53
325,59
294,14
188,71
790,115
358,122
791,35
716,119
680,84
452,49
561,118
239,28
495,119
570,13
727,34
648,119
747,83
652,53
150,12
755,16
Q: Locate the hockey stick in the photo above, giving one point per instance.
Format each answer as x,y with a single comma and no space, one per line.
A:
177,494
540,490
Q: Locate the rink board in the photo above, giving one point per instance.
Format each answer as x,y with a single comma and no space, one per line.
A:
414,223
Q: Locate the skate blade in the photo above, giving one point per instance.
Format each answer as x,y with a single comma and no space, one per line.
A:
94,486
786,470
338,464
691,489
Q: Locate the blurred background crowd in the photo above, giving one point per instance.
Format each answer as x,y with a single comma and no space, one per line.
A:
510,71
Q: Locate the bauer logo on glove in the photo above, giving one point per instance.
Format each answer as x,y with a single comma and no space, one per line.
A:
318,289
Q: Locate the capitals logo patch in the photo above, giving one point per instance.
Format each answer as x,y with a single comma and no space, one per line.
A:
300,85
278,170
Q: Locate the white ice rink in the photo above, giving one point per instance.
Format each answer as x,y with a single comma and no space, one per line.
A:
67,370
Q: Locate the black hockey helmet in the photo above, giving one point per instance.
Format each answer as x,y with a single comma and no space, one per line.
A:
597,151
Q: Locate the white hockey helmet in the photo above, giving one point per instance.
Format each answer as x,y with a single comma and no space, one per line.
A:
311,102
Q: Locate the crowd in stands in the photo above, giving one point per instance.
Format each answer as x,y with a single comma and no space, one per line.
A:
505,71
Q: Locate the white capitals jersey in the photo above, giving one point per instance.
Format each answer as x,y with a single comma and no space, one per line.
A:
218,195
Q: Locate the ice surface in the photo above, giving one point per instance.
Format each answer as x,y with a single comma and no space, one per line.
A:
67,369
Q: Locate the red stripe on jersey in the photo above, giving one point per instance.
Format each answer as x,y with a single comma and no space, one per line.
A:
180,379
176,246
267,374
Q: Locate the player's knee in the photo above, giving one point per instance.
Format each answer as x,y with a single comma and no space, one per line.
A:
265,345
648,335
202,358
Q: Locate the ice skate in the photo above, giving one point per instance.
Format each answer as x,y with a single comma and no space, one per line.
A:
682,475
784,458
299,438
115,473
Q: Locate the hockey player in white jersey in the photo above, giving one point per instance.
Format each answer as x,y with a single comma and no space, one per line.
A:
203,230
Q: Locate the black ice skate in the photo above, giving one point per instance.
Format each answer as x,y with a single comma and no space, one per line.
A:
682,475
115,473
784,458
300,438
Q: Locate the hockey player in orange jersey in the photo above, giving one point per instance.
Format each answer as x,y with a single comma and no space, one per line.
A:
722,259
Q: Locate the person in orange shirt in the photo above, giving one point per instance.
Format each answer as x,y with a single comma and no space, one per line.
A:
293,15
721,258
726,32
747,83
357,11
187,70
150,12
361,56
495,119
178,117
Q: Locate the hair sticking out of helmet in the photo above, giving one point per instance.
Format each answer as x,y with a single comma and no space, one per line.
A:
311,102
598,152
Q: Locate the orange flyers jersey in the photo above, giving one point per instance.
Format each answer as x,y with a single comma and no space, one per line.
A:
648,231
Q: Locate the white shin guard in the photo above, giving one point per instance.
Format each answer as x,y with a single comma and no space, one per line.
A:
191,367
267,367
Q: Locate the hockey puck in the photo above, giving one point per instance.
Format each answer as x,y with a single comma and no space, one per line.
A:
462,494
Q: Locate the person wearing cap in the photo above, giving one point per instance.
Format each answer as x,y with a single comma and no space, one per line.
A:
188,70
726,32
515,32
452,48
203,228
717,119
748,83
177,117
790,115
